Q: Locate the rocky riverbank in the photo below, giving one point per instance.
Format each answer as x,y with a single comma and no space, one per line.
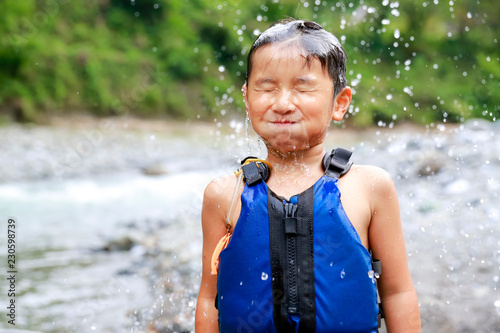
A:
83,146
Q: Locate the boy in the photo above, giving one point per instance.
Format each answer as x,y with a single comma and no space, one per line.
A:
295,256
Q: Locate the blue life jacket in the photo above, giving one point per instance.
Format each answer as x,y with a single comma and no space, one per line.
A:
296,266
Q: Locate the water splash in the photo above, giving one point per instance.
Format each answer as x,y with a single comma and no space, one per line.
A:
497,306
247,135
372,275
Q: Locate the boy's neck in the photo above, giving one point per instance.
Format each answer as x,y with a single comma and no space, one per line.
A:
295,171
309,157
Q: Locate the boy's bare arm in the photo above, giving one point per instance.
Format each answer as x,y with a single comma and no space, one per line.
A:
215,204
399,299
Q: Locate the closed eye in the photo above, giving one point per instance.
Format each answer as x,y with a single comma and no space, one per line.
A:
265,89
304,84
265,85
305,89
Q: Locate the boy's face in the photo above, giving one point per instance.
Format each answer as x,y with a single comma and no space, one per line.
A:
290,104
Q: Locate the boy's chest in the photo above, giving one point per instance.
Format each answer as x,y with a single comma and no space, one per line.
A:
290,187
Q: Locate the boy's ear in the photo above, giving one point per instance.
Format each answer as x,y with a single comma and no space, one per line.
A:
341,103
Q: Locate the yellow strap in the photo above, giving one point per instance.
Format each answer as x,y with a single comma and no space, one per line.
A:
224,241
250,160
239,174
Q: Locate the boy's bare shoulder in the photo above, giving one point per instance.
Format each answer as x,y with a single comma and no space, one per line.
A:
369,177
221,188
370,171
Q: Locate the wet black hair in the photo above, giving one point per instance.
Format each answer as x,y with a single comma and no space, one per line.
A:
314,40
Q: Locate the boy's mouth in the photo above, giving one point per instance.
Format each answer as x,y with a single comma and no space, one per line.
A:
283,122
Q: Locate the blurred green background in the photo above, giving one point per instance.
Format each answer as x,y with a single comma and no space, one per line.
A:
419,61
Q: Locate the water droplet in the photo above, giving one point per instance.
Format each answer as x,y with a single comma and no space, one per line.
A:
408,91
497,306
371,275
93,327
264,276
342,274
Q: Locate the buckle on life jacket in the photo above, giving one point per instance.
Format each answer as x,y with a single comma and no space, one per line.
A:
254,170
336,164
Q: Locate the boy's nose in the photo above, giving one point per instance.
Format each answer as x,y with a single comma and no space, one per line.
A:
284,103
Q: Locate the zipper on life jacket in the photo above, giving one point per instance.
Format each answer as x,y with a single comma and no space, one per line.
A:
290,221
291,241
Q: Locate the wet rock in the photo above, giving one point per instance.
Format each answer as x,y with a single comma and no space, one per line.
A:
478,124
430,164
156,169
122,243
126,271
139,243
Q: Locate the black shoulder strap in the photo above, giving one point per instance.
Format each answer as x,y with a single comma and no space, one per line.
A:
254,172
337,164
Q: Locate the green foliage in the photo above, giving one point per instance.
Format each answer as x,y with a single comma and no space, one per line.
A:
420,61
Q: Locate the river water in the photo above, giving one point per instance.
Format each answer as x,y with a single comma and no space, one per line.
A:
108,218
